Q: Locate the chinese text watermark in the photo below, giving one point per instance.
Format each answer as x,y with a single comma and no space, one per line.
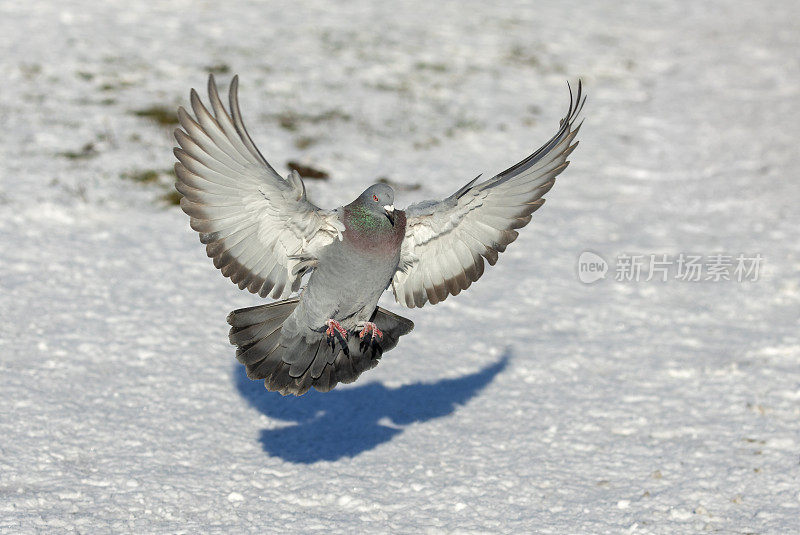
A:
684,267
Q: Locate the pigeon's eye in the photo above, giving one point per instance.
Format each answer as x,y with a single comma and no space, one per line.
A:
375,198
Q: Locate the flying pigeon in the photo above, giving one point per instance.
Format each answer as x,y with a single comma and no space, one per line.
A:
265,235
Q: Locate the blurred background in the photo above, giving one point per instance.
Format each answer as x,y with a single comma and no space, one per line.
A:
532,402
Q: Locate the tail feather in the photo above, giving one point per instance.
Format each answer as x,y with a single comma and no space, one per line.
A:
245,317
294,365
256,352
299,354
326,381
250,324
263,368
320,361
257,331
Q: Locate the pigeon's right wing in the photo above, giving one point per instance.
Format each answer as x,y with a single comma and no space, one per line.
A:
260,229
446,241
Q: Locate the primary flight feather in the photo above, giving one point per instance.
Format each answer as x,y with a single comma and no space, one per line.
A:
264,234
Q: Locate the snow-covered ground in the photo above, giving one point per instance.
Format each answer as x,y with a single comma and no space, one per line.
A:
530,403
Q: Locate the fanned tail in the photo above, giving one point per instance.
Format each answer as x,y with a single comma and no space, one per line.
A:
292,365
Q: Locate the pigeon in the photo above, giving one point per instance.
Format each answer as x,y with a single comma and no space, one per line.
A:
264,234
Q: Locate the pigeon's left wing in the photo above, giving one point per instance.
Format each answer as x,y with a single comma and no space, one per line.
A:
260,229
446,241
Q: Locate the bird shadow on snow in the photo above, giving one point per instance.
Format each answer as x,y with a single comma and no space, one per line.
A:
349,421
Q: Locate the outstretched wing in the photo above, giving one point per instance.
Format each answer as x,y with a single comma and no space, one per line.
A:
446,241
259,228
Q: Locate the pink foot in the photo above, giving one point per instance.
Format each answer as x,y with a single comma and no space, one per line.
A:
334,328
372,330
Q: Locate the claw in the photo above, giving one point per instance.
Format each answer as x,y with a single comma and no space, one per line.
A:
336,331
370,336
371,329
335,328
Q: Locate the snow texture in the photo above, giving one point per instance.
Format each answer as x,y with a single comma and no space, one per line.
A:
529,403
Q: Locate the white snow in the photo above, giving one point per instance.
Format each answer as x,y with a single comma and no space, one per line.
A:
531,402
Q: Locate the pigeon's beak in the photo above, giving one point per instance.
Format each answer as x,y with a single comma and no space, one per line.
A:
389,208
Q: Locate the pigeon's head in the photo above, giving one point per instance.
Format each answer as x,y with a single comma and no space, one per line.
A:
379,199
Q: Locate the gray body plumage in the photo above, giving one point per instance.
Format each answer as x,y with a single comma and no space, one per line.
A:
346,285
331,293
296,356
265,235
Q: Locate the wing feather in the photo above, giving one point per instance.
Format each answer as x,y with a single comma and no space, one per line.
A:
446,242
255,224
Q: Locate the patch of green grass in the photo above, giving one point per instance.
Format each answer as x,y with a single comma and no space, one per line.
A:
306,171
330,115
159,114
402,86
116,85
292,120
142,177
218,68
426,143
532,111
288,120
303,142
464,123
30,70
87,151
399,186
162,180
518,54
430,66
539,59
171,198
